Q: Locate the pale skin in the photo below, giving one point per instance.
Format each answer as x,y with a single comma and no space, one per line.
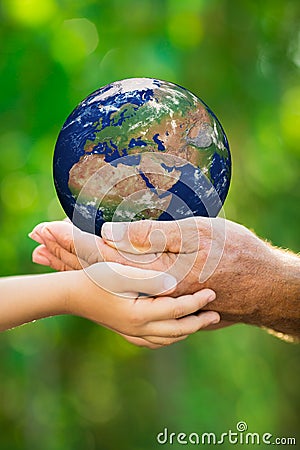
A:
150,322
255,282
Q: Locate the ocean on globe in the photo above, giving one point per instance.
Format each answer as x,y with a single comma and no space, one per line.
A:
141,148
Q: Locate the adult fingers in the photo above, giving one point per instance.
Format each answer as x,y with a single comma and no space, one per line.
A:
42,256
58,258
61,231
118,278
52,253
181,327
64,239
147,236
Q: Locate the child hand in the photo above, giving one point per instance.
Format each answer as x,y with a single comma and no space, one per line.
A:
107,293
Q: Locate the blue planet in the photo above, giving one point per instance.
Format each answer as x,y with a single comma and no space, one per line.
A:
141,148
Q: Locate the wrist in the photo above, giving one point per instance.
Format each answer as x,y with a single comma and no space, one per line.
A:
73,287
56,301
80,290
67,294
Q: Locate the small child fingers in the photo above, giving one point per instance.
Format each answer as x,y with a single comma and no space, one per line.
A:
174,308
180,327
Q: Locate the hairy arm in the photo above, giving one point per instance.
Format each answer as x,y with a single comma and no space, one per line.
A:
255,282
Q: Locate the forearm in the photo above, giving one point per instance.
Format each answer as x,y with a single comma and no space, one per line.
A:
27,298
261,288
284,311
255,283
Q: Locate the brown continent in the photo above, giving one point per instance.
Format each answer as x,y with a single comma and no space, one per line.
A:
100,182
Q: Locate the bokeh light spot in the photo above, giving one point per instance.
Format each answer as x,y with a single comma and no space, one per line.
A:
185,29
86,30
8,255
18,191
290,117
14,150
294,50
74,40
30,12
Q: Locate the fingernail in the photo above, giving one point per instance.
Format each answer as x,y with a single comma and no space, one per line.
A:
38,228
35,237
169,282
41,259
215,320
113,231
211,297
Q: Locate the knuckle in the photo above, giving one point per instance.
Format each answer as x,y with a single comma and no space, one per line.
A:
177,332
168,341
178,311
163,342
70,246
139,232
57,251
95,256
55,266
203,224
64,267
195,326
136,318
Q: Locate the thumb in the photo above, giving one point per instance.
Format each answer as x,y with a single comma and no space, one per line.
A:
118,279
148,236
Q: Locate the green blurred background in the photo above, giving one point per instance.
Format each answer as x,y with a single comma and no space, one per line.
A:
65,383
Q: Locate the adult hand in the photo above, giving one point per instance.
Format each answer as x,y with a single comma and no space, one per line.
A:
255,283
64,247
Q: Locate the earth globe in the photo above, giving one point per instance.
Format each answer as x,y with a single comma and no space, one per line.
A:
141,148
